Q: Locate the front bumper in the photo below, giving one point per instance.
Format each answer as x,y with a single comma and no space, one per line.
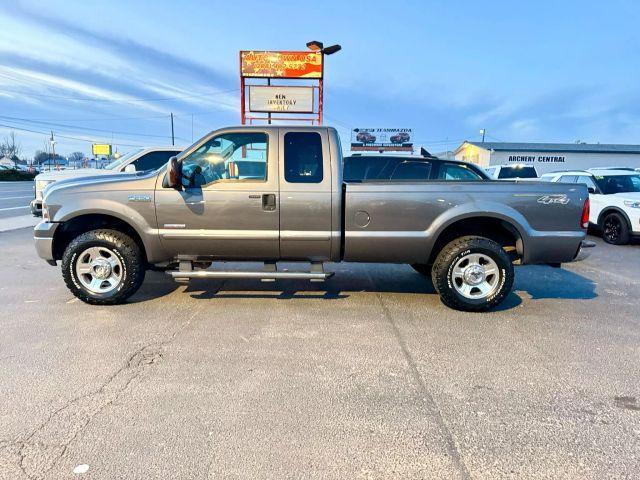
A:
36,207
585,250
43,236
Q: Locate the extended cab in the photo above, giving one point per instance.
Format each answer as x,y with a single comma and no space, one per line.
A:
272,193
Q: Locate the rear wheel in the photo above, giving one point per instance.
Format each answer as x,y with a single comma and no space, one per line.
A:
472,274
615,229
103,267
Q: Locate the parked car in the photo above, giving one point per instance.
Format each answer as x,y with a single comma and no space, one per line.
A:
365,137
462,229
401,137
363,168
142,159
512,172
615,200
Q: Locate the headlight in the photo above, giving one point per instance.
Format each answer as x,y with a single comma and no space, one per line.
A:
632,204
40,186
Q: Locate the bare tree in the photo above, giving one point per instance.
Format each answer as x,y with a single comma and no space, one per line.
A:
11,148
76,158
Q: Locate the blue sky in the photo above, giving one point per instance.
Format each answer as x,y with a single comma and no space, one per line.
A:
526,71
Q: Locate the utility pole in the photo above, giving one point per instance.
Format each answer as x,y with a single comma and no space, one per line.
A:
53,151
173,142
483,131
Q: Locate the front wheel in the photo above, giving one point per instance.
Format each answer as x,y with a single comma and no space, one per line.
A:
615,229
103,267
472,274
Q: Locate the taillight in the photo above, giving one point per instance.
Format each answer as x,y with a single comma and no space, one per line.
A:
584,221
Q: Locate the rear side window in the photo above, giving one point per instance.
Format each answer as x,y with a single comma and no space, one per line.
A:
153,160
408,171
357,169
456,172
303,157
567,179
588,181
517,172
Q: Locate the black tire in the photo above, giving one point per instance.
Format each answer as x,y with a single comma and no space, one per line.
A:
127,252
422,268
615,229
456,250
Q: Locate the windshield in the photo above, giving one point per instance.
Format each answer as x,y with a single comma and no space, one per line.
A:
610,184
517,172
116,163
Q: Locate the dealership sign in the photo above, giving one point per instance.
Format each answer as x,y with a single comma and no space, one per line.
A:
101,149
381,139
261,64
270,99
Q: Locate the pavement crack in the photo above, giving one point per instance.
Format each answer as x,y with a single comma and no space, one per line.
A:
421,384
40,451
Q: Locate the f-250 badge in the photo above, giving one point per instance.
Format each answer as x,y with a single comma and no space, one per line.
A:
562,199
139,198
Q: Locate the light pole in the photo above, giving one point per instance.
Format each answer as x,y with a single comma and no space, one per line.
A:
316,46
482,132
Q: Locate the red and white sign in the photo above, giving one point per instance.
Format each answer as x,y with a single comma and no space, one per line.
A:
264,64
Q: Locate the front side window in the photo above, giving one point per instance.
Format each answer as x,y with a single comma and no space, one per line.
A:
303,157
456,172
152,160
227,157
610,184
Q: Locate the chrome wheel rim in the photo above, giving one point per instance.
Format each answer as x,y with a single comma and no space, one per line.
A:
475,276
99,270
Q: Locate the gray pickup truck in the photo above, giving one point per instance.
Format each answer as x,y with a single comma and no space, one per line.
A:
275,193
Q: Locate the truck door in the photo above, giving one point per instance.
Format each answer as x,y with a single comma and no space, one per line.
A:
229,205
305,194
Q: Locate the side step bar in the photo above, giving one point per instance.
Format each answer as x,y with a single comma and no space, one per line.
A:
269,274
256,275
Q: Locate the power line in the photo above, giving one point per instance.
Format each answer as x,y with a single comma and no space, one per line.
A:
119,100
79,127
13,127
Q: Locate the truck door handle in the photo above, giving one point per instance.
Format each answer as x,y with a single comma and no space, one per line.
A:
269,202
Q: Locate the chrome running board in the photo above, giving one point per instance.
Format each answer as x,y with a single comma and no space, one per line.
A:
269,274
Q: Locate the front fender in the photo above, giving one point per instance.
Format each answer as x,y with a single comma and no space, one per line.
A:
141,218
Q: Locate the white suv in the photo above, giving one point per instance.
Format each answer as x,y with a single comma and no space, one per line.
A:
615,200
140,160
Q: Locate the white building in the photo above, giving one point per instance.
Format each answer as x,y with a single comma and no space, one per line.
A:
550,157
7,162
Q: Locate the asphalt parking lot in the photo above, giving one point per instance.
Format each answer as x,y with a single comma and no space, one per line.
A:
367,376
15,198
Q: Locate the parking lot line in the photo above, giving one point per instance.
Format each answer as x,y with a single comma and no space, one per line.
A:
13,208
13,198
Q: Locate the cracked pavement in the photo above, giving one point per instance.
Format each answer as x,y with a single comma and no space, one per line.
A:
368,376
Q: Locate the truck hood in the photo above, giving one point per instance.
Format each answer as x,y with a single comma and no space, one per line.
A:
115,181
80,172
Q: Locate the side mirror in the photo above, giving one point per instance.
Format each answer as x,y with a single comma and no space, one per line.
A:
591,190
131,168
174,173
